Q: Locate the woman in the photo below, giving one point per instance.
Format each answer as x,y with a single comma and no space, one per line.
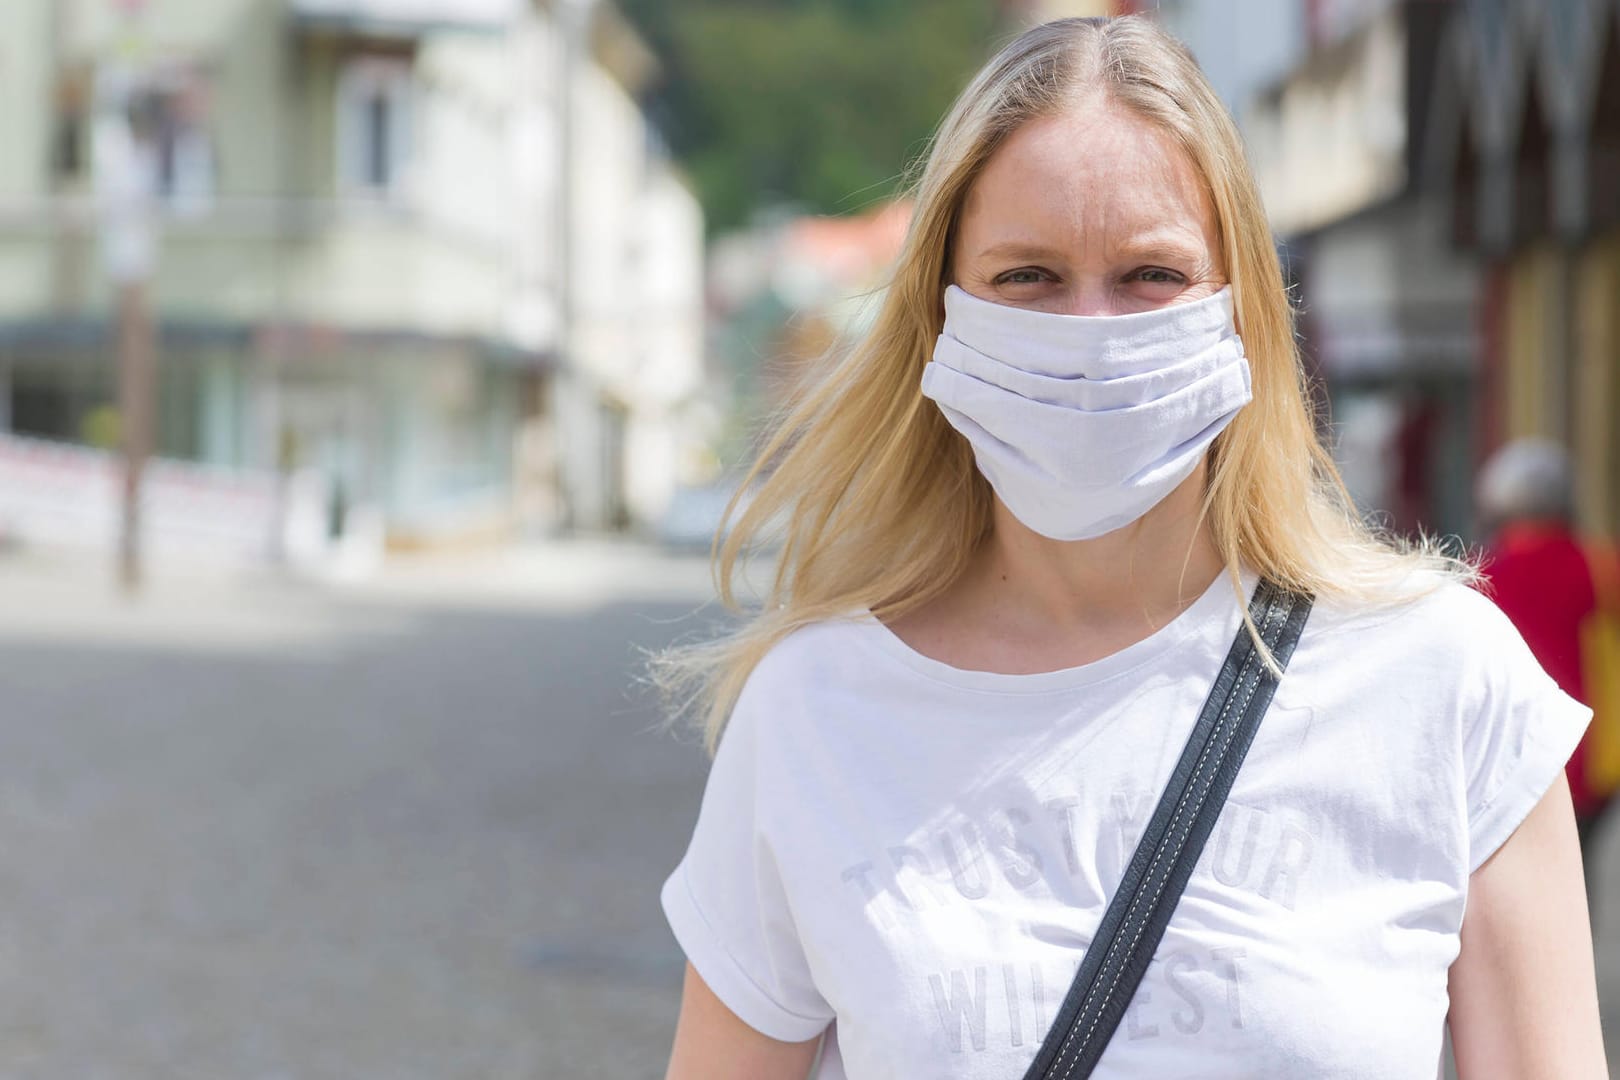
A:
1023,519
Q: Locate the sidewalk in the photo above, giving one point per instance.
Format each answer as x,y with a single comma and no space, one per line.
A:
55,593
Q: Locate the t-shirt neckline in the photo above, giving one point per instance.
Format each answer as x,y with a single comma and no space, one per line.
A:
1215,611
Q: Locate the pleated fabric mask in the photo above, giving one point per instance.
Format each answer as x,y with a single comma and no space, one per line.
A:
1083,423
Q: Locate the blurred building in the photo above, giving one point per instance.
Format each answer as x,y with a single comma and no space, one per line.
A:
368,263
831,272
1526,158
1389,310
1443,177
790,290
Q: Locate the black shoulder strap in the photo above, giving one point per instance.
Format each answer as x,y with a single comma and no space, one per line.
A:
1134,923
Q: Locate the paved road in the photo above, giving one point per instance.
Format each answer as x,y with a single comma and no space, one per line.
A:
414,829
408,829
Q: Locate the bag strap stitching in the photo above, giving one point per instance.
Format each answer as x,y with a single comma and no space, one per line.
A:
1199,778
1281,618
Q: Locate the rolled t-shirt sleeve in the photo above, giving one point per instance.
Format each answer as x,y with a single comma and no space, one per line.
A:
1518,729
726,902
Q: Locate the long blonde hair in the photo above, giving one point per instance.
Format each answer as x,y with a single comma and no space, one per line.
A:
880,503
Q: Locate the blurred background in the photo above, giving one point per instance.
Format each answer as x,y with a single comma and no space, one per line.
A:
373,375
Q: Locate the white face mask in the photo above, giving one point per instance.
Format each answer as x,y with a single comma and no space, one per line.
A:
1083,423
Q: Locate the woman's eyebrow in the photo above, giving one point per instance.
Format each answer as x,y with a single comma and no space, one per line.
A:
1157,244
1159,251
1018,250
1148,249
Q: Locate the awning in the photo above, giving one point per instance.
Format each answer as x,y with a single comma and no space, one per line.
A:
406,18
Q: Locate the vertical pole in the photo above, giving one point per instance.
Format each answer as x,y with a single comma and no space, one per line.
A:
566,401
574,401
124,179
5,392
137,371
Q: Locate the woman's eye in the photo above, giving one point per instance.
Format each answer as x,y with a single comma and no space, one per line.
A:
1028,275
1158,275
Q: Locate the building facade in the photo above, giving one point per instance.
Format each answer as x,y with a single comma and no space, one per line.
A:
1527,161
1444,182
1389,310
360,266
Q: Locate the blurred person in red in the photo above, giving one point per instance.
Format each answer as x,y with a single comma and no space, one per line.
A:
1547,582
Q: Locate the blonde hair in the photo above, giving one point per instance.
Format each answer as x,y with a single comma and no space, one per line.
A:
880,502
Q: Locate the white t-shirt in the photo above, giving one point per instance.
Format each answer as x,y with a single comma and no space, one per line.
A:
918,855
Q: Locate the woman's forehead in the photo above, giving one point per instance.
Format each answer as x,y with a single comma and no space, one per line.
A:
1097,174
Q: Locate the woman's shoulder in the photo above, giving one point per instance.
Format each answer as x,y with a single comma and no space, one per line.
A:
1422,602
813,658
1434,621
810,676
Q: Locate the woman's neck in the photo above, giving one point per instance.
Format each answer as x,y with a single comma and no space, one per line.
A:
1144,574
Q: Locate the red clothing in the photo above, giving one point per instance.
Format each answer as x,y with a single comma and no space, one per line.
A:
1538,576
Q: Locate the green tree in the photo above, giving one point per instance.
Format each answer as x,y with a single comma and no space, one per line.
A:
817,103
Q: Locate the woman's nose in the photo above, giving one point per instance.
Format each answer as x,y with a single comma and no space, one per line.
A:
1088,299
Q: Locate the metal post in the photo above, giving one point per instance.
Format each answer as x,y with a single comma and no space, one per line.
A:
137,370
573,400
125,178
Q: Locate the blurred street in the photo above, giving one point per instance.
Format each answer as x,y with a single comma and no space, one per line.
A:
367,832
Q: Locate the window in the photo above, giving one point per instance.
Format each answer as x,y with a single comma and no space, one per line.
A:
69,138
166,113
181,145
373,125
